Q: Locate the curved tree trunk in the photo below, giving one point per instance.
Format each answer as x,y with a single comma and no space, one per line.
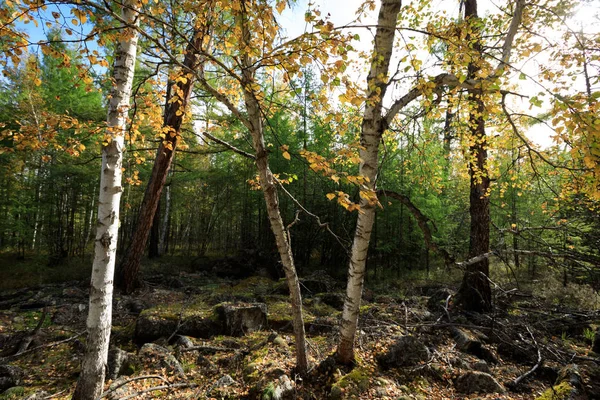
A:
269,188
91,379
370,137
129,273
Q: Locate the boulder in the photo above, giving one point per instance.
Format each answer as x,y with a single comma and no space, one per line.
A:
596,343
183,342
220,389
468,342
284,389
477,382
69,314
120,363
334,300
10,376
481,366
406,351
240,318
160,357
156,323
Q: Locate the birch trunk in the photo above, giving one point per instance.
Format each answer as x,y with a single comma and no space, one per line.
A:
93,369
269,188
370,137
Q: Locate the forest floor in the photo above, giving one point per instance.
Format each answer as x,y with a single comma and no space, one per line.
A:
531,347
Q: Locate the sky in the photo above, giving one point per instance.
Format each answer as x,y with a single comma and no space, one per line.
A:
343,12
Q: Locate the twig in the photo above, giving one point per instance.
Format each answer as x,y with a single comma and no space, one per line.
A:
29,338
535,367
316,217
43,346
128,381
163,387
209,349
229,146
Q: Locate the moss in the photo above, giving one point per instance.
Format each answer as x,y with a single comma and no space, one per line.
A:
281,311
558,392
353,384
16,392
197,308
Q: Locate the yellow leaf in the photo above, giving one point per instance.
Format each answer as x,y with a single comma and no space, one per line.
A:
37,81
286,155
330,196
280,6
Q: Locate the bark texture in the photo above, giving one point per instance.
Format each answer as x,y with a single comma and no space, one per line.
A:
129,274
269,188
91,379
372,129
475,293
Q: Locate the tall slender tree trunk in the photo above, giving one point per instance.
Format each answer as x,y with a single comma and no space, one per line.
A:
93,369
269,189
370,138
475,293
165,222
129,273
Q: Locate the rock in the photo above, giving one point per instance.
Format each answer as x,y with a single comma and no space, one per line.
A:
481,366
334,300
224,381
134,306
10,376
238,319
174,283
220,389
477,382
155,323
284,389
206,365
74,293
160,357
568,385
468,342
120,363
437,301
596,344
519,352
40,395
68,314
15,392
571,375
183,342
351,385
405,352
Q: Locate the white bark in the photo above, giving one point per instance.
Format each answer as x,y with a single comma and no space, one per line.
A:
372,130
91,379
269,189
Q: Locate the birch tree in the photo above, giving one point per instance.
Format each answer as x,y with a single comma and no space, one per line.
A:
93,369
376,120
373,125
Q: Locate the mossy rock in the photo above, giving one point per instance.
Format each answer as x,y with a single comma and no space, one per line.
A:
15,392
197,320
561,391
351,385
